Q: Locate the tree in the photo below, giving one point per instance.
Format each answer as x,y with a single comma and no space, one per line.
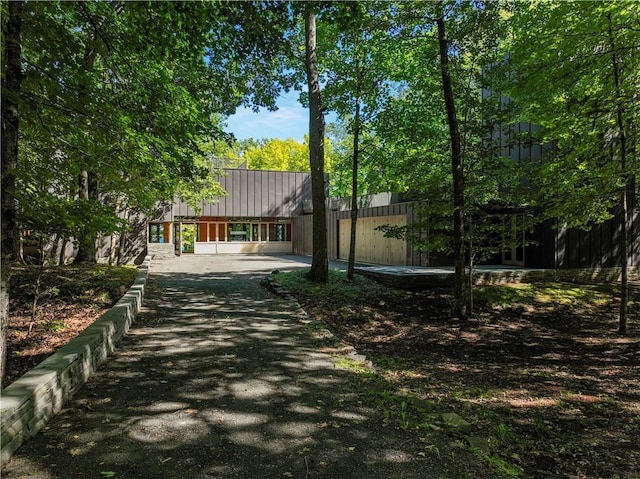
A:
580,86
460,305
319,271
11,83
107,96
438,143
279,155
357,86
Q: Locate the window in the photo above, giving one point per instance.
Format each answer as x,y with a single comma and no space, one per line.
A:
279,232
156,233
239,232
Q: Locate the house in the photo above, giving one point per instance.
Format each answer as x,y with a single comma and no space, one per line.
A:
270,212
256,216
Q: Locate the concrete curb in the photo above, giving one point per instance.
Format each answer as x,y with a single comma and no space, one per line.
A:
28,403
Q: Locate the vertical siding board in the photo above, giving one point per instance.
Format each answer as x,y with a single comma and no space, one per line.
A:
605,237
246,182
595,260
257,195
224,204
272,193
265,193
615,241
585,248
236,195
279,189
286,195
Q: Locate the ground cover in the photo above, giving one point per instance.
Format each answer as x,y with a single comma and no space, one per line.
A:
51,306
548,387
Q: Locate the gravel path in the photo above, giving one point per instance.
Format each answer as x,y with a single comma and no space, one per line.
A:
219,378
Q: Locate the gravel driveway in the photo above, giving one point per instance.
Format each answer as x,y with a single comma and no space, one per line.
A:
219,378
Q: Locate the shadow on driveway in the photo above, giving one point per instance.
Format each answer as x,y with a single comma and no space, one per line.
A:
218,378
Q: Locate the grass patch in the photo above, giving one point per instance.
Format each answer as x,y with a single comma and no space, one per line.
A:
537,294
338,284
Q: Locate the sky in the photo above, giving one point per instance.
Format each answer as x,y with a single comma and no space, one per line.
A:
291,120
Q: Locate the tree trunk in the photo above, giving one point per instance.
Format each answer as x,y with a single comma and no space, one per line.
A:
112,249
11,80
320,265
87,180
122,242
63,251
626,182
354,178
460,306
84,240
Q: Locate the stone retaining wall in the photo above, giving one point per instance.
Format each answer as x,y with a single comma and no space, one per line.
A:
161,250
29,402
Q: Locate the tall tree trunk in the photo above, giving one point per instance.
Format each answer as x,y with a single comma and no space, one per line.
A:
112,249
87,191
122,241
87,180
460,305
11,80
626,183
354,177
320,264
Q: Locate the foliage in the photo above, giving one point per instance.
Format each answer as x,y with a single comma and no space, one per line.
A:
279,155
106,90
581,87
567,86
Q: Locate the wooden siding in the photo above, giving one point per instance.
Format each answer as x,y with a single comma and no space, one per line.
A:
371,244
303,236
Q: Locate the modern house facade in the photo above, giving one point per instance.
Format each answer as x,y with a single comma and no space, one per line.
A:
256,216
269,212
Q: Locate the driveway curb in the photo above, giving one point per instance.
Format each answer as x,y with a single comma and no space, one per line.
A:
28,403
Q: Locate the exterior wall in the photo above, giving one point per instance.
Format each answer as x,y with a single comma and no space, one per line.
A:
251,194
557,247
564,248
282,247
254,197
368,219
371,244
303,236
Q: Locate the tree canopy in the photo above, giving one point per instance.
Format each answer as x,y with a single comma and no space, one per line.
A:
111,107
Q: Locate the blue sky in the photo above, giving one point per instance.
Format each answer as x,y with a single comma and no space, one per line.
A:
291,120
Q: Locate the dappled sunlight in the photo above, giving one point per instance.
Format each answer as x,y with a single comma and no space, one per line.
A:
219,378
166,428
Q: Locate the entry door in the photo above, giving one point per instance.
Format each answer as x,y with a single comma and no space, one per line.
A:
188,237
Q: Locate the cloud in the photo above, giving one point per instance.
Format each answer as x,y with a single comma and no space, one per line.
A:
291,120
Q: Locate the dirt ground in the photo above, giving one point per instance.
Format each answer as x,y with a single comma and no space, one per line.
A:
51,306
543,377
549,388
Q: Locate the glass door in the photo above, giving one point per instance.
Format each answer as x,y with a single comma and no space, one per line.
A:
188,231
